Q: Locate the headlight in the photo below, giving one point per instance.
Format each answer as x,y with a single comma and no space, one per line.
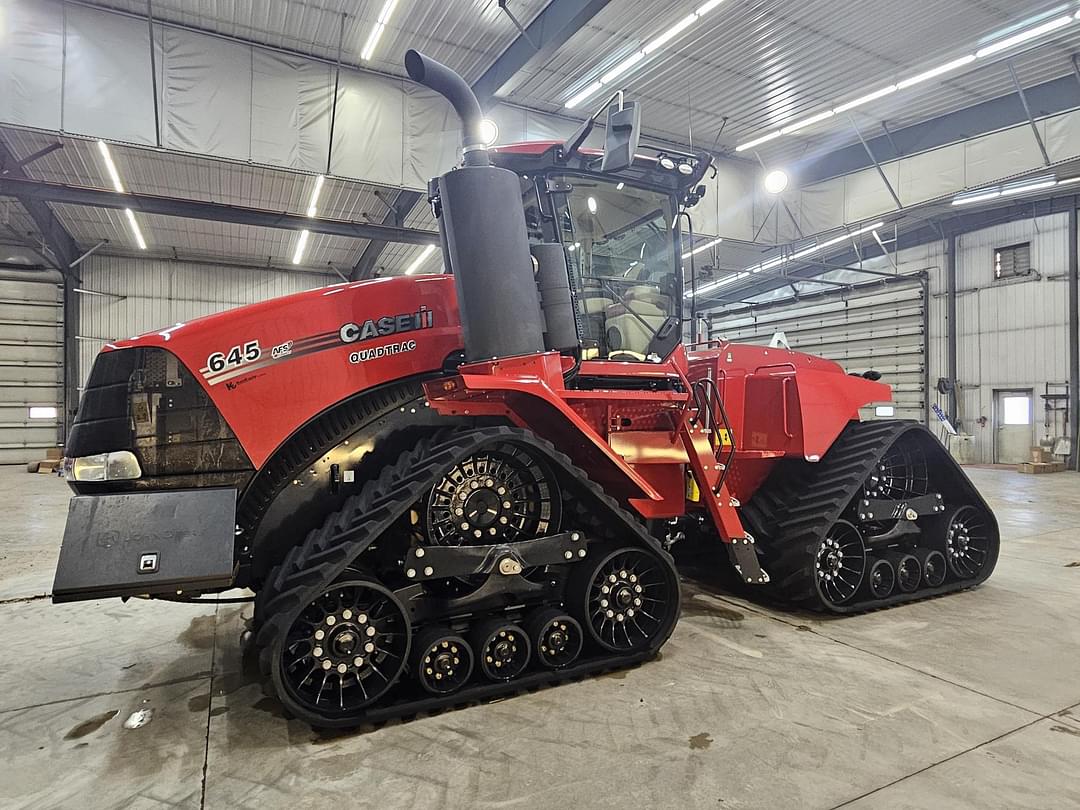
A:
119,465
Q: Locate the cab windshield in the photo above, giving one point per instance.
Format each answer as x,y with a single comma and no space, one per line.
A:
620,244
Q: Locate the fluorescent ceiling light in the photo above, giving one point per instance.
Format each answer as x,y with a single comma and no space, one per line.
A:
376,32
659,42
813,119
715,285
314,201
758,141
700,248
939,70
1023,36
996,47
301,246
110,166
974,198
135,230
850,105
622,67
1024,189
419,260
584,94
1069,180
651,47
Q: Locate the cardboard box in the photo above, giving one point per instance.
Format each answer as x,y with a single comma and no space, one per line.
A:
1040,456
1032,468
54,453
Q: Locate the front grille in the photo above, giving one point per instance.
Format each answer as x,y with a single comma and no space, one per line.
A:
145,400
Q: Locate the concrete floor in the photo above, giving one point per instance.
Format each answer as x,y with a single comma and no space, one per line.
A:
968,701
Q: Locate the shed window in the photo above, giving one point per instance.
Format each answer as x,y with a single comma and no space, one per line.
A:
1012,261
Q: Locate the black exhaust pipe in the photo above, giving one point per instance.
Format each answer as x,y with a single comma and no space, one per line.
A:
485,241
448,84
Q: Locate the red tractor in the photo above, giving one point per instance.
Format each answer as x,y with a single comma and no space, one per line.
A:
448,488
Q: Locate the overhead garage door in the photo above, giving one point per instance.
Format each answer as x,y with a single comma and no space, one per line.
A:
879,327
31,368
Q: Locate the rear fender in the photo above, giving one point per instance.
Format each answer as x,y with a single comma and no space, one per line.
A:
520,390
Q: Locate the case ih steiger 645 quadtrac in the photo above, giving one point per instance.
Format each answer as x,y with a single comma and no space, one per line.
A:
449,488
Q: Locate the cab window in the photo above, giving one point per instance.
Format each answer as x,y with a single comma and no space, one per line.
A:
621,250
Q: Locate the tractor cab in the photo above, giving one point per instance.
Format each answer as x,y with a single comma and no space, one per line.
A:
620,231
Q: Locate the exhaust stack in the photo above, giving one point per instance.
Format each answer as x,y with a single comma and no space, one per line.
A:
485,241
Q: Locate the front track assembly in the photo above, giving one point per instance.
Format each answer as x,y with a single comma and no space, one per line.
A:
885,517
480,564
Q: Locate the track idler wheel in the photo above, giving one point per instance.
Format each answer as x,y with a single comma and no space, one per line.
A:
628,602
969,541
503,648
342,652
840,563
881,578
556,637
442,660
908,570
933,567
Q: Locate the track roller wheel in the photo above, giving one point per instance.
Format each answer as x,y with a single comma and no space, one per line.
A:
908,570
342,652
840,563
629,601
503,648
933,567
881,578
442,660
970,540
556,637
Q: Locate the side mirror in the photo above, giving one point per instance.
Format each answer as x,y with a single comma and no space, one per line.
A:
621,139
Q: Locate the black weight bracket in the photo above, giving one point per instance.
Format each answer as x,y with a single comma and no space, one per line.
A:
439,562
923,505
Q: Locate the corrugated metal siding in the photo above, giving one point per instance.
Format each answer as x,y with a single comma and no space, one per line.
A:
31,366
1011,334
878,328
764,63
145,294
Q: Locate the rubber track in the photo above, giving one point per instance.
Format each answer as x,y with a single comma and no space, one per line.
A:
311,567
792,514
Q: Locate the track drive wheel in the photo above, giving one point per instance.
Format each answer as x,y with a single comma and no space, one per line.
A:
342,651
970,541
840,563
629,601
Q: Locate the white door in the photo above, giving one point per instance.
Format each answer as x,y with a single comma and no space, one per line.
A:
1013,431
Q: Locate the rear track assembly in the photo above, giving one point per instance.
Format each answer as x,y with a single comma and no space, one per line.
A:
885,517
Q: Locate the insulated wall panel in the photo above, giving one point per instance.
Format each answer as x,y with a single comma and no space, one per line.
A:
31,63
369,129
291,100
108,91
207,93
